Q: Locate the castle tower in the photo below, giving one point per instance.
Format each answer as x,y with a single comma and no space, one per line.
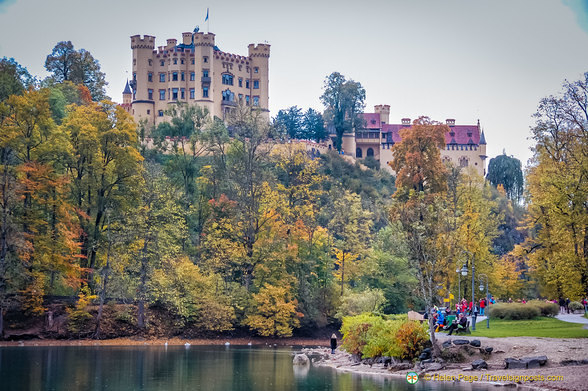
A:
204,68
127,99
384,111
259,75
483,155
143,70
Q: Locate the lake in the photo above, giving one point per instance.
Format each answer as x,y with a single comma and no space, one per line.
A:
211,368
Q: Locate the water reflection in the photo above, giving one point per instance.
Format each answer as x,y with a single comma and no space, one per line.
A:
177,368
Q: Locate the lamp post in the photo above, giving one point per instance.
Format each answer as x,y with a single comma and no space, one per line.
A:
482,276
464,272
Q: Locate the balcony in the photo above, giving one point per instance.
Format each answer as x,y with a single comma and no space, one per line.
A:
205,80
229,103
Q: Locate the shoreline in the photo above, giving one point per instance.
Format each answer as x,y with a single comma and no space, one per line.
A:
174,341
573,378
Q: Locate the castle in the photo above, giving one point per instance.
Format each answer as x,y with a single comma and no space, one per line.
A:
465,144
195,71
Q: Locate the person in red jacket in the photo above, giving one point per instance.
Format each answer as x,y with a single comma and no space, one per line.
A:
482,306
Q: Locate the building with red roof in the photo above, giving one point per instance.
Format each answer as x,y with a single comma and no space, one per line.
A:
465,144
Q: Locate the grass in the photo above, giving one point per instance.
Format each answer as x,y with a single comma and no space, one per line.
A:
538,327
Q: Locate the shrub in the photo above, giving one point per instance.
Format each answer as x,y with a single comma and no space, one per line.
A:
411,339
514,311
371,336
576,306
546,309
79,318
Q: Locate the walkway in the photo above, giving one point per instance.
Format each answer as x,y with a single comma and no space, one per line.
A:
572,318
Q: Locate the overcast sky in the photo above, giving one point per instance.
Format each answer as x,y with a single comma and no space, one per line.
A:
462,59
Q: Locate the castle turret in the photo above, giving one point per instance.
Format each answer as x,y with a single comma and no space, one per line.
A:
384,111
143,69
259,74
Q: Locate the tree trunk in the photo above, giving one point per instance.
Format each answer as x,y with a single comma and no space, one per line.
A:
142,289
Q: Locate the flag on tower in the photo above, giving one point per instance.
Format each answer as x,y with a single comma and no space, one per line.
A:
206,15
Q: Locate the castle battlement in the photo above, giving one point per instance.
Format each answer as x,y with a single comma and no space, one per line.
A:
259,50
147,42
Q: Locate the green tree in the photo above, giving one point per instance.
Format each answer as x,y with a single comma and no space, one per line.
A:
14,78
78,66
313,126
506,171
289,121
344,100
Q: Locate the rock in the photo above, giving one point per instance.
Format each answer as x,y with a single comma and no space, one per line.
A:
434,366
427,361
479,364
401,366
488,349
513,363
535,362
446,344
460,342
427,351
566,363
475,343
301,359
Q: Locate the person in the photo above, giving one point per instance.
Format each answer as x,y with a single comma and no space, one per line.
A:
524,301
440,320
568,301
482,306
333,343
461,325
585,304
562,305
510,299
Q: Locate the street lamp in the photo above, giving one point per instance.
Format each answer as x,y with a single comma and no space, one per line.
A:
482,276
473,289
464,272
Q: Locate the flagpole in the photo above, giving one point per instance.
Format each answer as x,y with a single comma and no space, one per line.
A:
207,21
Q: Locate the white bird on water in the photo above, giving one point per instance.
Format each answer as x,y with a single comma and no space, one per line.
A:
187,344
227,343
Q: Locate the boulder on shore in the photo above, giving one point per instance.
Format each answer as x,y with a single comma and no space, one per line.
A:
301,359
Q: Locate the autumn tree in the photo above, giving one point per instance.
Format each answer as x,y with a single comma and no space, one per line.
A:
558,190
14,78
274,312
344,100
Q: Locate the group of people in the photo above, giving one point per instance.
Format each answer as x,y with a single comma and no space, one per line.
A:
463,307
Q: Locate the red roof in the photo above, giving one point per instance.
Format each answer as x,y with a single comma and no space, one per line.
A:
372,120
460,134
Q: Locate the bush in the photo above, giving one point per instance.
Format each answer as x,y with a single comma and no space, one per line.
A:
79,318
546,309
371,336
514,311
576,306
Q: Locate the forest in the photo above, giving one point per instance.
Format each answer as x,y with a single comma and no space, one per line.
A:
202,227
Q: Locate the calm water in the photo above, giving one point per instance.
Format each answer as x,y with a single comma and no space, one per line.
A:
173,368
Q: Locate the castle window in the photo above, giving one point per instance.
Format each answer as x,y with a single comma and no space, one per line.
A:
150,77
240,82
256,101
240,67
463,161
161,94
183,78
228,96
148,112
162,62
192,61
160,113
175,94
175,61
183,93
205,92
358,153
192,93
150,62
369,152
205,73
227,79
256,70
204,59
134,61
175,76
182,60
150,94
162,77
247,100
255,84
192,76
241,98
247,83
